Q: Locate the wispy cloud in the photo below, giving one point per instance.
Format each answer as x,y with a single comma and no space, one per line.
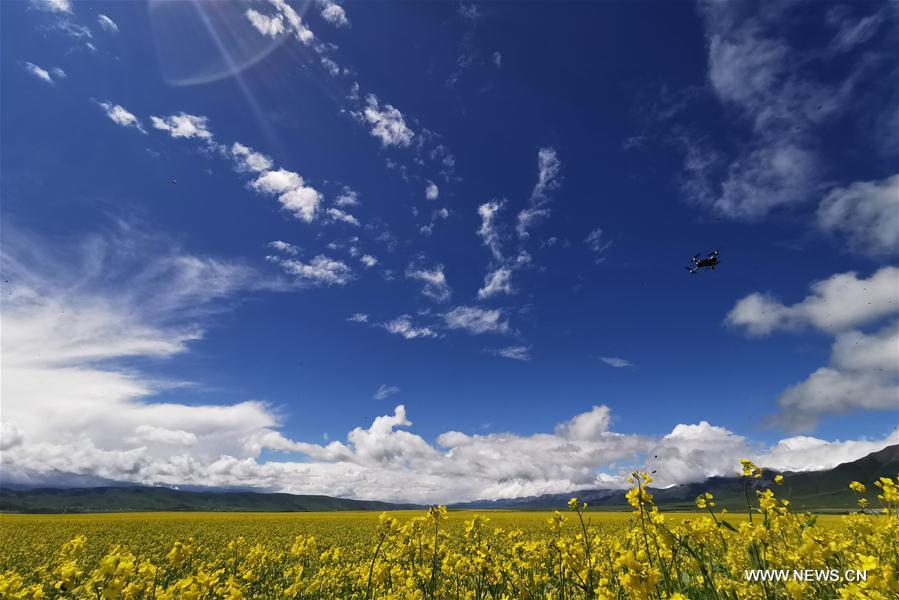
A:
385,391
614,361
522,353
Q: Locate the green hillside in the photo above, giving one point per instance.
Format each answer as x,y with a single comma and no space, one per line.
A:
143,499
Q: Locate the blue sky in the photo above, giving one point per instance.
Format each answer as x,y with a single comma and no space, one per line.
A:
234,233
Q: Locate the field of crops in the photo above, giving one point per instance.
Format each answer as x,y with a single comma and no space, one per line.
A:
573,553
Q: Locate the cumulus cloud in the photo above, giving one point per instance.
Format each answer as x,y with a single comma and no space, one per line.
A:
435,285
358,318
476,320
861,376
387,123
836,304
247,159
693,452
368,260
284,19
107,24
865,213
118,115
385,391
271,26
403,326
70,412
294,195
330,66
183,125
319,271
863,367
284,247
66,324
333,13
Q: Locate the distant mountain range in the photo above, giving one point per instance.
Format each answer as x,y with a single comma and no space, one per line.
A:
806,490
811,490
146,499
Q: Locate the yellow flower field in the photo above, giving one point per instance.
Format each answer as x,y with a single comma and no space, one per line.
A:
575,553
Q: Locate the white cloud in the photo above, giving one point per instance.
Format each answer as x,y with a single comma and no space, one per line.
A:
865,213
760,76
70,412
336,214
38,72
284,247
861,376
614,361
431,191
358,318
488,231
163,435
435,285
548,168
59,6
852,33
333,13
293,193
347,197
107,24
476,320
385,391
836,304
693,452
271,26
120,116
497,59
183,125
58,73
402,326
321,270
302,202
65,324
277,182
596,244
10,436
522,353
248,159
387,123
286,18
330,66
368,260
863,367
497,282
